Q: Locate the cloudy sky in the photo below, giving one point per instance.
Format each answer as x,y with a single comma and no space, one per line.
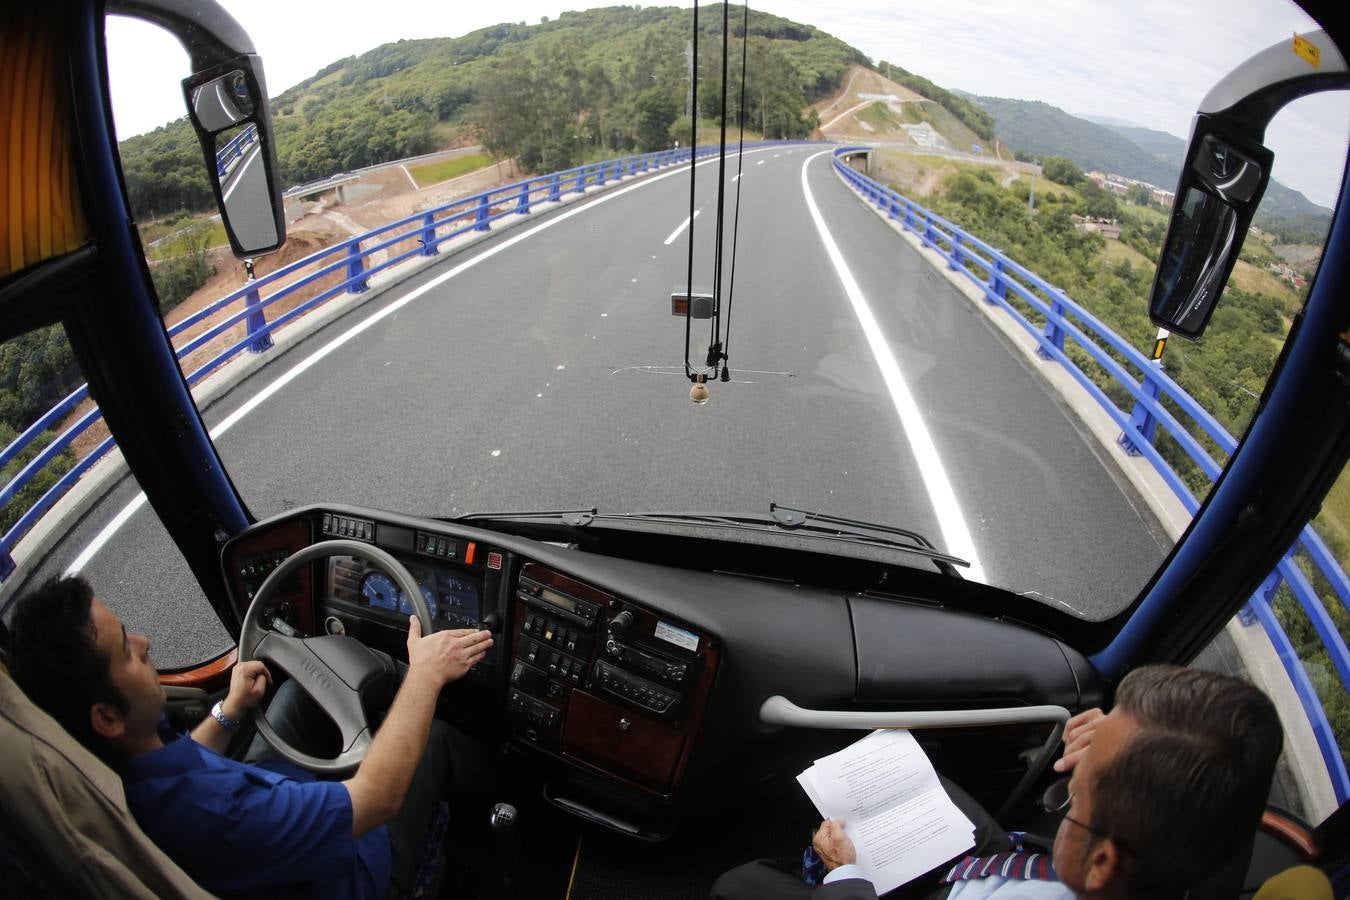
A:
1146,61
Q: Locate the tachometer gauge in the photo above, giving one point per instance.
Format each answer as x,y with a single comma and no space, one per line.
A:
428,596
379,591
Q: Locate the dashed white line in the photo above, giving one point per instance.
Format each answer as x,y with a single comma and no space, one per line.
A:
956,537
680,230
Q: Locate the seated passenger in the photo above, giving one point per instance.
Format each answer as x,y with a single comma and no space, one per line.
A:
1164,791
262,830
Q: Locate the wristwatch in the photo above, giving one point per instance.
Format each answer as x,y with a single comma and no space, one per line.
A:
218,713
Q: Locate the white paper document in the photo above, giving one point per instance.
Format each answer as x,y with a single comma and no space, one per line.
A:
901,821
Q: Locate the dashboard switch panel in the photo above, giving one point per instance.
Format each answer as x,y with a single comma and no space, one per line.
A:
335,525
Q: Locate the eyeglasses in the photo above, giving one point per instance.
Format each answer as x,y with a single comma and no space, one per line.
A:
1057,799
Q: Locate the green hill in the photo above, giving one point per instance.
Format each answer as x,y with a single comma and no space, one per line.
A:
1039,129
591,83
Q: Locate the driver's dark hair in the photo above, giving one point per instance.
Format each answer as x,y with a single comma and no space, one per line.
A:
1186,792
55,659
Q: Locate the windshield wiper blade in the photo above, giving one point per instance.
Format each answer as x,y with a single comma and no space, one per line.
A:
577,517
787,518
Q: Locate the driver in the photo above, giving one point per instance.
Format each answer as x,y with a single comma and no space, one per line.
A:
269,829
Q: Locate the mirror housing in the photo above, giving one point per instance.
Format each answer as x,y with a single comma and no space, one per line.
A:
1223,178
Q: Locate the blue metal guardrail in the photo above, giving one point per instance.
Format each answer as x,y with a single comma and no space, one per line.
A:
234,148
349,259
1001,278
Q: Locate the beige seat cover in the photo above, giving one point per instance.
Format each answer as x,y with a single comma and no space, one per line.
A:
68,809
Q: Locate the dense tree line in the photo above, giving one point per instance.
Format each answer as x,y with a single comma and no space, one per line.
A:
550,94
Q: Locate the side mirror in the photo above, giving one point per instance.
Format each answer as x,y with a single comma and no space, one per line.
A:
227,104
1222,181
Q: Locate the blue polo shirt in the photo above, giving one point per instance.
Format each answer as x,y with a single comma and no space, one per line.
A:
267,830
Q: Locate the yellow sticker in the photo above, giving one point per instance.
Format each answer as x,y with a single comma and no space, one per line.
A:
1308,50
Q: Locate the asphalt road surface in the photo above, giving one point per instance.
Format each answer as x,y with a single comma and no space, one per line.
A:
548,375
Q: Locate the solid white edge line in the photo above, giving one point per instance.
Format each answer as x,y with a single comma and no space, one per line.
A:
956,537
680,230
111,529
238,174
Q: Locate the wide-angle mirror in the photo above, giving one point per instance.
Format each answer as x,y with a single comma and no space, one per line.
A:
222,102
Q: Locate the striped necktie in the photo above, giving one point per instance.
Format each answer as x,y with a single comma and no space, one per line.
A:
1017,864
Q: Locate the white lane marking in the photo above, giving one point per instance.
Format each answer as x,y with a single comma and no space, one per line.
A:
111,529
411,180
239,173
105,535
680,230
956,537
760,163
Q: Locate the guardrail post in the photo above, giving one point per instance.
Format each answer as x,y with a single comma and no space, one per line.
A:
555,188
257,323
894,210
429,247
7,565
600,175
1054,331
480,222
954,261
523,204
1266,592
928,229
581,180
1143,424
996,285
909,215
356,265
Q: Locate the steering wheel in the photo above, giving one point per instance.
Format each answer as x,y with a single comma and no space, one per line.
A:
331,669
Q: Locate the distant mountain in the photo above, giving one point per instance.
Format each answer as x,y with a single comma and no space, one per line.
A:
1167,147
1280,201
1040,129
1111,145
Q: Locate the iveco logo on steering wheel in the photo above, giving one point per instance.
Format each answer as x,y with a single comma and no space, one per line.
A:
313,670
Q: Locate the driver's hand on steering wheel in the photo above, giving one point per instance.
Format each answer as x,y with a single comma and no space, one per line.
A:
445,655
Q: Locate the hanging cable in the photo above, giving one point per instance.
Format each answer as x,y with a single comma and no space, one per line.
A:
736,217
693,158
715,355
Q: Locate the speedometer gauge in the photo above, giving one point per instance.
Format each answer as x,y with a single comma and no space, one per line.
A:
428,596
379,591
